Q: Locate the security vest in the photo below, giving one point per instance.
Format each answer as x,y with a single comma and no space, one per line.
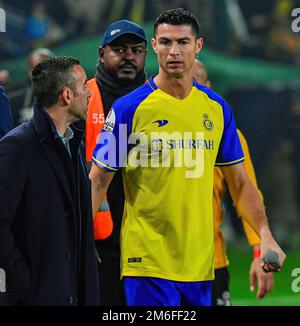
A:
103,222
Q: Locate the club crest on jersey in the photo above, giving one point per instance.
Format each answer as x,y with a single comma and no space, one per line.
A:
110,121
207,123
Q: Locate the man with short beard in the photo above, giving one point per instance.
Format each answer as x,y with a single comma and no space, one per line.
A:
47,248
120,70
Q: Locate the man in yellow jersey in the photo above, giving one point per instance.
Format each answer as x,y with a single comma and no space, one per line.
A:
167,136
220,287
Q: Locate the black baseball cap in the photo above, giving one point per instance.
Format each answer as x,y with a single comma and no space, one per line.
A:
120,28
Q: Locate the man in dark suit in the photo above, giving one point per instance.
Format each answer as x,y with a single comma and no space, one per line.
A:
46,236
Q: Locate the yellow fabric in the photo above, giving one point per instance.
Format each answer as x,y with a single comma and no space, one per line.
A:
167,228
147,196
220,187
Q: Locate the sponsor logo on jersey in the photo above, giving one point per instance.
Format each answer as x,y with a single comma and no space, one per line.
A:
159,144
161,123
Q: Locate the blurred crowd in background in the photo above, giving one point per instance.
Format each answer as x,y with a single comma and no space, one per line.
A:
269,115
258,28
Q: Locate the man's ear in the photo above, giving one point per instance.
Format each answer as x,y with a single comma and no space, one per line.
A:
199,44
154,44
101,54
66,95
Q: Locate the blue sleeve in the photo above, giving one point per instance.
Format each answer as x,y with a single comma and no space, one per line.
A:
6,122
111,147
230,150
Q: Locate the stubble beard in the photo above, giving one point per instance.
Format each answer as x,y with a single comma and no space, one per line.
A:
76,115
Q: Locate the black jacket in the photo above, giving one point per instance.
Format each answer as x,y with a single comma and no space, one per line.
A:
46,235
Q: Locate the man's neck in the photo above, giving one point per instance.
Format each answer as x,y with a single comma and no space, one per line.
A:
114,87
60,121
179,87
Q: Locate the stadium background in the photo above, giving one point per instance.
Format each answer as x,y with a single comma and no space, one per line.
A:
253,59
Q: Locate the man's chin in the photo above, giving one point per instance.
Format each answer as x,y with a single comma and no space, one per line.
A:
126,76
176,74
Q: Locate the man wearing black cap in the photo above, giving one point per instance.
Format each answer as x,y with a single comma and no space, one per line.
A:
120,70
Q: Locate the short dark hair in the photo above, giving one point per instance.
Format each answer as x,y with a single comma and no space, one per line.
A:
50,76
178,16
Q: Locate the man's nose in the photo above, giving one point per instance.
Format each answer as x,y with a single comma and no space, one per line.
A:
174,50
129,54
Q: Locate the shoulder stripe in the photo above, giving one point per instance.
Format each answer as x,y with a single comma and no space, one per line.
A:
127,105
104,165
150,85
211,94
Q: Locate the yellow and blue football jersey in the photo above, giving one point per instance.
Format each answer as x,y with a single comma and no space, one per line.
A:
167,149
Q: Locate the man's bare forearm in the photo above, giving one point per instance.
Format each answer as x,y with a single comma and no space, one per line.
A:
247,200
100,180
250,206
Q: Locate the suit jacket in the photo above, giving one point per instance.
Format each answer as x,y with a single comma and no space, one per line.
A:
46,236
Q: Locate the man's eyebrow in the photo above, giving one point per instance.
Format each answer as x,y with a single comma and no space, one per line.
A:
163,38
186,38
141,44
